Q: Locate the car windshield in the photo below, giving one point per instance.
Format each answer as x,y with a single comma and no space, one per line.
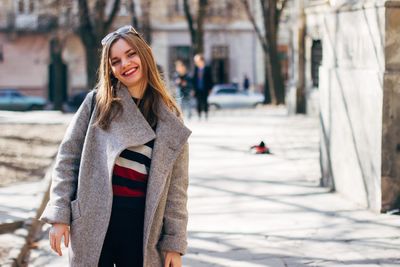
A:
227,91
10,93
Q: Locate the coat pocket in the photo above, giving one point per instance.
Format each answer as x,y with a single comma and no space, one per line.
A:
75,210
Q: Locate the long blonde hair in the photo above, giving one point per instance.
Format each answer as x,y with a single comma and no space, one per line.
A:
154,89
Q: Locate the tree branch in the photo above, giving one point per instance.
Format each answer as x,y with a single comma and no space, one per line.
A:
132,9
279,11
113,13
252,19
84,15
189,19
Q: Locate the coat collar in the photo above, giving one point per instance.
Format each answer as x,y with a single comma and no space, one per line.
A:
170,136
132,129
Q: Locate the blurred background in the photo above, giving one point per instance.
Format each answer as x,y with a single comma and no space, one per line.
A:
317,78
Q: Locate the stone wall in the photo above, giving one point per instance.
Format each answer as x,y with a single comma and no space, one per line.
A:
391,111
351,97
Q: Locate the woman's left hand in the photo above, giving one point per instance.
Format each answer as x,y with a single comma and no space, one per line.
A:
172,259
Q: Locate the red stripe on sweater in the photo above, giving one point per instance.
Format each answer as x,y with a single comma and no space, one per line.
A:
130,174
123,191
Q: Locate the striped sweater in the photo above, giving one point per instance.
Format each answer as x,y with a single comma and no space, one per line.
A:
130,175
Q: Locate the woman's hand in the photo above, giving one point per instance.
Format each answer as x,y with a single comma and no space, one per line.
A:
57,231
172,259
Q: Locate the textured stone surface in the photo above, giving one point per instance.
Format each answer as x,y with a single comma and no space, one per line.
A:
392,48
351,98
391,142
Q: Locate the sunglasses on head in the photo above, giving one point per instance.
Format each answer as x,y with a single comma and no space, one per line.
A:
123,30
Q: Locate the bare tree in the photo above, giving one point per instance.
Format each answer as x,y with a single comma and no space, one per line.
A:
146,23
271,10
134,15
141,22
93,24
196,24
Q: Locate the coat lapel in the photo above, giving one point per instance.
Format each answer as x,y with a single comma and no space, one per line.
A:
130,128
171,135
127,129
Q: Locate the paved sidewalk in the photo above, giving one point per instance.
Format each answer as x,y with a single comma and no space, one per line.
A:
267,210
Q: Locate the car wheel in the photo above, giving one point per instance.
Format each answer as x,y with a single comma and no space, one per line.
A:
259,104
213,107
35,107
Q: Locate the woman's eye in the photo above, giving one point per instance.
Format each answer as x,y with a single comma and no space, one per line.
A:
131,54
115,62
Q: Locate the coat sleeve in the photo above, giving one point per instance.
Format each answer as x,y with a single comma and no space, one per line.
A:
66,168
174,236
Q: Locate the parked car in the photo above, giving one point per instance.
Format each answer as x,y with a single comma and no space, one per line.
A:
228,96
75,101
12,99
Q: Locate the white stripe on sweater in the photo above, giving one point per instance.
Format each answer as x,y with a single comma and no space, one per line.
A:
133,165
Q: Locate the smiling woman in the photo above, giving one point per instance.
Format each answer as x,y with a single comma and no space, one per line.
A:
119,188
127,67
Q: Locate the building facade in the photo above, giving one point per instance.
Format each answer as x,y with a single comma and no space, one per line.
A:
351,69
26,26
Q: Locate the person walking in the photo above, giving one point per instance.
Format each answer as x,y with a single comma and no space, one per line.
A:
203,83
183,84
246,83
119,184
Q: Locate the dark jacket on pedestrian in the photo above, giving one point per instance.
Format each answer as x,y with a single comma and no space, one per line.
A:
207,80
183,83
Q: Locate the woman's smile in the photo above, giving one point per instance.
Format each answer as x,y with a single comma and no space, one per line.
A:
130,72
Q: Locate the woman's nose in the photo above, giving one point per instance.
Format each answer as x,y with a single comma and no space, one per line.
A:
125,62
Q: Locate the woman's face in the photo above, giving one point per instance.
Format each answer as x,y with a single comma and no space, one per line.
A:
125,64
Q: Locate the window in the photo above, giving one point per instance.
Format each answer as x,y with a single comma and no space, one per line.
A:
25,6
227,91
21,8
220,8
220,64
175,8
31,6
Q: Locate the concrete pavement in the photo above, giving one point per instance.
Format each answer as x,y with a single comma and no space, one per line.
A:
267,210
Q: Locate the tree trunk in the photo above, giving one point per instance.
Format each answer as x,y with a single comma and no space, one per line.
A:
269,93
271,35
202,9
57,75
91,29
92,63
146,23
300,86
196,28
279,88
191,26
134,17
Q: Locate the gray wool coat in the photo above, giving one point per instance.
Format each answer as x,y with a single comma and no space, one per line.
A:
81,191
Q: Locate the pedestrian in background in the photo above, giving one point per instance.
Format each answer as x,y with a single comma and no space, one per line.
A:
183,83
119,185
246,83
203,83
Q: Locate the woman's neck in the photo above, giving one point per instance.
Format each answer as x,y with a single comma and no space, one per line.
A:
136,91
